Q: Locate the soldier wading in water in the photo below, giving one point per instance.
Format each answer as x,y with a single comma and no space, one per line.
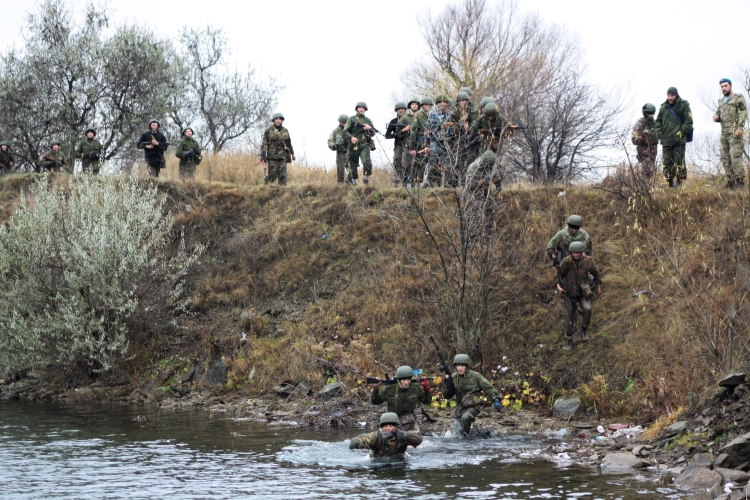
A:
389,440
467,385
403,397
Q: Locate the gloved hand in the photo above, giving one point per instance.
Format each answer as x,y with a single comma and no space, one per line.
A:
197,151
738,132
426,385
386,435
400,436
187,154
498,405
679,134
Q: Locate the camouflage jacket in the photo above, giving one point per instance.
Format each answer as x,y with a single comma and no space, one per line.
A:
183,145
480,167
667,125
401,401
575,273
277,145
562,240
336,141
354,128
88,146
733,113
6,158
644,134
467,387
435,127
417,135
46,160
464,118
383,444
493,139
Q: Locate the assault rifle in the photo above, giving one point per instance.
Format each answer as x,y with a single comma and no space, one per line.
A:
556,264
501,130
399,127
93,155
57,164
389,381
444,365
143,144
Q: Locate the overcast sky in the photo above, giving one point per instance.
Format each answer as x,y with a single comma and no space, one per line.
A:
331,54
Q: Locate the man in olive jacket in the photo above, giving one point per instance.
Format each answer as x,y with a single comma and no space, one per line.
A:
732,114
189,152
403,397
573,282
673,124
467,385
337,143
89,150
54,160
389,441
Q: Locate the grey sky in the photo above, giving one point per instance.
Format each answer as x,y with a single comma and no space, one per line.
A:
331,54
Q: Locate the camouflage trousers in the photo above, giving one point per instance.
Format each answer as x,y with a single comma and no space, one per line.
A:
89,166
355,155
673,161
465,416
341,165
187,170
732,152
415,172
276,170
646,156
438,168
399,176
571,309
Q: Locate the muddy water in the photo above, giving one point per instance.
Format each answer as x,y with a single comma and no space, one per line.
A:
76,451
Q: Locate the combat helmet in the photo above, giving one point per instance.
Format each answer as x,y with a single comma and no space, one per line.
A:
467,90
404,372
343,118
462,96
575,220
53,142
413,99
462,359
91,129
485,101
648,108
389,418
441,98
451,103
5,143
400,105
277,115
186,129
490,109
426,100
576,246
361,103
153,120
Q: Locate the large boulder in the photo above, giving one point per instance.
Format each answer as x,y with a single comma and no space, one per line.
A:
621,461
736,477
568,409
674,429
217,374
732,380
332,390
738,451
699,478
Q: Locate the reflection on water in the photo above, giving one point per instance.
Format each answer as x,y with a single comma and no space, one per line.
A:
75,451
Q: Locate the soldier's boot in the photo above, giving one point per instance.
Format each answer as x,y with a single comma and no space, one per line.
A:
729,184
584,335
568,344
366,179
466,426
671,182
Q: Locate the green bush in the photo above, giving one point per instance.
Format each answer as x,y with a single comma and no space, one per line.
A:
81,267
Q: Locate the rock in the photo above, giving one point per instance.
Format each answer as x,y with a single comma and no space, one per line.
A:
702,495
166,373
721,460
285,389
83,394
332,390
188,375
737,451
699,478
705,460
640,449
217,374
565,409
157,395
621,439
733,476
732,380
674,429
584,425
304,388
621,461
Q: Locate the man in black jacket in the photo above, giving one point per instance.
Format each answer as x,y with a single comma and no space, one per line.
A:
154,144
394,131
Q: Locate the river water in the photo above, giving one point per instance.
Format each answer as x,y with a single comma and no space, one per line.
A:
86,452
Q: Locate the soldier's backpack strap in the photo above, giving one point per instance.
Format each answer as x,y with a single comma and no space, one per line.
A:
689,136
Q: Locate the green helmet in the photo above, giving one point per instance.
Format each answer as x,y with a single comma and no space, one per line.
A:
462,359
426,100
361,103
490,109
575,220
467,90
649,108
53,142
90,129
4,143
413,99
462,96
441,98
404,372
486,101
400,105
186,129
389,418
277,115
576,246
343,118
451,103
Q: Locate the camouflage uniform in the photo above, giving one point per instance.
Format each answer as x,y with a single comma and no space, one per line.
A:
439,161
646,141
563,238
337,142
54,162
386,444
406,157
361,150
188,151
89,150
493,139
464,150
733,115
276,151
673,137
574,274
402,402
394,132
417,142
6,158
467,388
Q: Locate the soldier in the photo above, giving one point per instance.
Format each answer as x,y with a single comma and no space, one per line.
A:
53,160
336,142
418,146
480,206
439,159
358,133
732,114
154,144
573,283
646,140
466,385
485,101
6,158
491,127
389,440
395,132
557,248
464,114
673,126
407,160
89,151
403,397
276,150
189,152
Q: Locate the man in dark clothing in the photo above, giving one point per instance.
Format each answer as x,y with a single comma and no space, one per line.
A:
154,144
395,132
6,158
673,124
